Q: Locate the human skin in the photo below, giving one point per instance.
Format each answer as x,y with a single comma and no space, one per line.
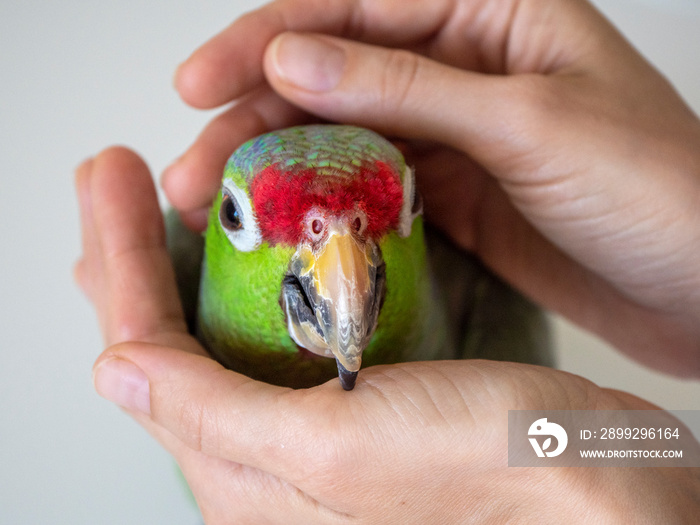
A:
412,443
543,143
546,144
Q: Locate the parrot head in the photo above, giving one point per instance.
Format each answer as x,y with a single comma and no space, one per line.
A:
313,251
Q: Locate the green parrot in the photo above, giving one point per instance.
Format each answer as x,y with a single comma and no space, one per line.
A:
316,260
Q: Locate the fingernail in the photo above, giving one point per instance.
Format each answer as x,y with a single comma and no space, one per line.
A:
123,383
82,189
81,175
309,62
84,166
196,220
166,175
176,75
81,278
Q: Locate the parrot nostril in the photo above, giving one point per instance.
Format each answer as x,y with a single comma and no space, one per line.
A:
357,224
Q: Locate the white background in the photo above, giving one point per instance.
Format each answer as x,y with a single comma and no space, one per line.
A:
76,76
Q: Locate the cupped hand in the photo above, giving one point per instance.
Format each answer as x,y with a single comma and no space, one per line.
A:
542,142
413,443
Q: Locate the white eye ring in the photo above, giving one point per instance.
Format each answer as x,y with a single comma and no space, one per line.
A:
247,237
407,214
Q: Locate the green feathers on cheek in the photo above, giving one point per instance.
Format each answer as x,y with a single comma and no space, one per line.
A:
239,295
404,314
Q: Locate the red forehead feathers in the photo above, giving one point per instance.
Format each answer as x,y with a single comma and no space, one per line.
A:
282,199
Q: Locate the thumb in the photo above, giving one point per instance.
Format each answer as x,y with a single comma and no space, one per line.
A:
394,91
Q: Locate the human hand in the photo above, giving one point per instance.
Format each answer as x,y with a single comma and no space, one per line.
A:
413,443
555,153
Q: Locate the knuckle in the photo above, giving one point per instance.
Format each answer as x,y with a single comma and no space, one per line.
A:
199,427
399,76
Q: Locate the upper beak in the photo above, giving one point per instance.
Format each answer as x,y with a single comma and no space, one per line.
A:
332,299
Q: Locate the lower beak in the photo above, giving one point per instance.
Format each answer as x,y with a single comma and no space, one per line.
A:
333,306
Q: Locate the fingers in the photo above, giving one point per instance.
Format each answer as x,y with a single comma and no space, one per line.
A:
213,410
192,181
320,450
83,271
230,492
390,90
320,432
534,36
228,65
393,91
129,274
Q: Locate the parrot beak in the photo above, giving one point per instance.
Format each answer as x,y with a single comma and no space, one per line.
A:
332,298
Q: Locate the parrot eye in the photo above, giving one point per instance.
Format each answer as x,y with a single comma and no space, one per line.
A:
237,218
316,226
229,215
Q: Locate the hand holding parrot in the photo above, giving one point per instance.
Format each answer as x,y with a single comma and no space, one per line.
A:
315,249
524,151
587,204
413,443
